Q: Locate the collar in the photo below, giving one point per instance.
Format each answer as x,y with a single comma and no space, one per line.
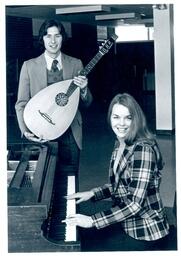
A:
49,61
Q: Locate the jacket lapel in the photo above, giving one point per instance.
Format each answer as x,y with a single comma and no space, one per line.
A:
42,71
66,67
127,153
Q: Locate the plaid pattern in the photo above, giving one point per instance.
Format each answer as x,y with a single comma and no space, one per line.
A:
134,189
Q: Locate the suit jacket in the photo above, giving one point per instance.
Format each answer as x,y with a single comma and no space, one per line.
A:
33,78
134,189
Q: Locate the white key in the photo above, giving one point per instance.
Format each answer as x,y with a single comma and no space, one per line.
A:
70,231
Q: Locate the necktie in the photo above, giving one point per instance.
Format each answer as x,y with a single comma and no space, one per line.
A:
54,67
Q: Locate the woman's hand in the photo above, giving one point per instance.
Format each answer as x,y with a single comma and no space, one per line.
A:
81,196
32,137
79,220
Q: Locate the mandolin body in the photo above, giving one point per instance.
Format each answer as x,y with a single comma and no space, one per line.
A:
45,116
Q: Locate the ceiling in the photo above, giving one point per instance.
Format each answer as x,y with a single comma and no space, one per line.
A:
105,15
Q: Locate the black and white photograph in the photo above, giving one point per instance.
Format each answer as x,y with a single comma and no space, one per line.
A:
90,128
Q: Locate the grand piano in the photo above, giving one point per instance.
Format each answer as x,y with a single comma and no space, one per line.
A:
31,171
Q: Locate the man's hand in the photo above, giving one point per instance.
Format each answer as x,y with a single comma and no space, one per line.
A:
32,137
81,81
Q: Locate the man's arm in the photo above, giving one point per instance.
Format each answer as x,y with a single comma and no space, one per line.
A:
23,97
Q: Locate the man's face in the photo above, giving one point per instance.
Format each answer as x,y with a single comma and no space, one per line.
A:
52,42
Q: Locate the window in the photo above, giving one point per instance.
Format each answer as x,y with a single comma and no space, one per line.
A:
134,33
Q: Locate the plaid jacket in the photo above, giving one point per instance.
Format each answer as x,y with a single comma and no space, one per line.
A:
134,189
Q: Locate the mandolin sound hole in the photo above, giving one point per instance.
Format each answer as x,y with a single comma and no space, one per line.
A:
61,99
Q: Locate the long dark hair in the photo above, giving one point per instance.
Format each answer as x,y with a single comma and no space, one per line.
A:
139,128
51,23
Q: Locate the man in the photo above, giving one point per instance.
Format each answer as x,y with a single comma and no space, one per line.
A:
36,74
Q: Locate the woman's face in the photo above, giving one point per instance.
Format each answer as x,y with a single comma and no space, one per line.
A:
52,42
120,120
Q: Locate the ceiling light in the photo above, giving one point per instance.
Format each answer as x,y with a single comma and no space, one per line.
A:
82,9
117,16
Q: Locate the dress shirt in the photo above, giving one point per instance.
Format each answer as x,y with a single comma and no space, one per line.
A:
49,61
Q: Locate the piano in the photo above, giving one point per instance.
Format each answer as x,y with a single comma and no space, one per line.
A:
31,172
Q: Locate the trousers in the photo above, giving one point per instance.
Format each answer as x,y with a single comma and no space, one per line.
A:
68,153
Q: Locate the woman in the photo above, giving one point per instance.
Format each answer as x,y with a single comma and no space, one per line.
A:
136,220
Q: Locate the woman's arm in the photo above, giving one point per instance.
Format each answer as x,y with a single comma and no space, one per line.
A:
141,173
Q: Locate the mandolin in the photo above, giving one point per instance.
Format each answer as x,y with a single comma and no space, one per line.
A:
51,111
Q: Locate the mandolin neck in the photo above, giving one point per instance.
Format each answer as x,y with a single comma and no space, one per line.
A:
86,70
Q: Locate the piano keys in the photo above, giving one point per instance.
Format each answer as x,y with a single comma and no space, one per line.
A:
31,170
70,231
53,229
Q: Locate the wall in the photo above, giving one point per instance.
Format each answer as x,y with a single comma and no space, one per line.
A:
164,71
